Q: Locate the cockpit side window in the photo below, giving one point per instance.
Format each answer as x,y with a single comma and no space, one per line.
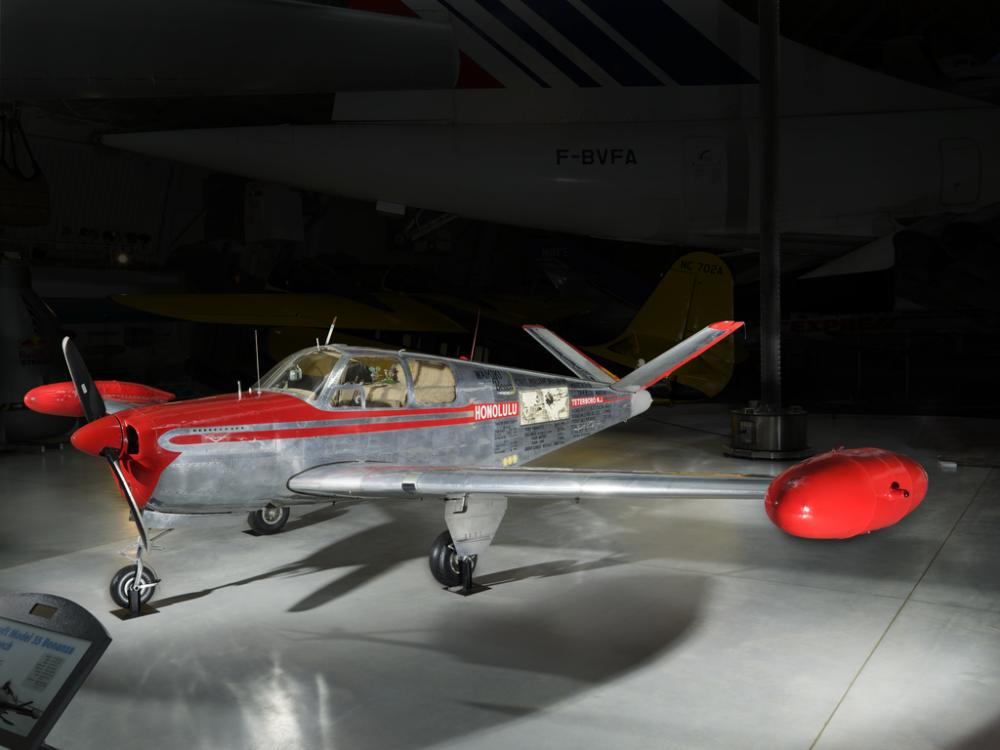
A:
371,381
433,381
303,374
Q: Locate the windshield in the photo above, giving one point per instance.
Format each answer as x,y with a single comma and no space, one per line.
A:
303,374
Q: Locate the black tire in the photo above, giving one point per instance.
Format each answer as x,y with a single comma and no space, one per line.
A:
269,520
121,586
444,561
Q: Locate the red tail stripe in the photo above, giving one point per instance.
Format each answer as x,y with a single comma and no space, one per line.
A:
727,326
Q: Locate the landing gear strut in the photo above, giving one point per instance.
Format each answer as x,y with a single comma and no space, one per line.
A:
472,520
447,567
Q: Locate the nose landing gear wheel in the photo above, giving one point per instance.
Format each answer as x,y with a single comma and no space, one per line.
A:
268,520
123,590
446,566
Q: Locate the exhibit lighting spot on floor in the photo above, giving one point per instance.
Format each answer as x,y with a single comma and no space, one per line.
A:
274,718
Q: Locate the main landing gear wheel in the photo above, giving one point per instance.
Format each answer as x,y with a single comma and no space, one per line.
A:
268,520
446,566
124,592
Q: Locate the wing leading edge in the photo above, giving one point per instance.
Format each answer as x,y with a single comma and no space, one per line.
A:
385,481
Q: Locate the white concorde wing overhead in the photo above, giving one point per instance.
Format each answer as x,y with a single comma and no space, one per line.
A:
385,481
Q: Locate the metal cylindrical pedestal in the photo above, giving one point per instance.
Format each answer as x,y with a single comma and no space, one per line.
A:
763,433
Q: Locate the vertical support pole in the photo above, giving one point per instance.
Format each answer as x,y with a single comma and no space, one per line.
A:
770,249
767,429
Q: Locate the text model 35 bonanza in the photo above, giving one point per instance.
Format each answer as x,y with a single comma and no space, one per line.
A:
340,421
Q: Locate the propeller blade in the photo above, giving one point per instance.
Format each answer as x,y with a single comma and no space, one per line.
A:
136,513
94,408
86,391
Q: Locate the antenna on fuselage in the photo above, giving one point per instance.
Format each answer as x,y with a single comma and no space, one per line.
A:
475,334
256,355
329,334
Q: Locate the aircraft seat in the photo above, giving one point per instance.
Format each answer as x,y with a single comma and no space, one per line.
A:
393,394
388,394
433,382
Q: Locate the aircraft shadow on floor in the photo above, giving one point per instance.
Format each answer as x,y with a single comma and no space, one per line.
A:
447,674
987,738
549,569
491,666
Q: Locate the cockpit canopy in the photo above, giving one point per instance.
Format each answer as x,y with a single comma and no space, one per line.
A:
303,374
330,377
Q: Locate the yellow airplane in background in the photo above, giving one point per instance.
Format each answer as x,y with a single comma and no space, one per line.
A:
696,290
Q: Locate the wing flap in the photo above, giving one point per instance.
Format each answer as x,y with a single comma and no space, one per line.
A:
385,481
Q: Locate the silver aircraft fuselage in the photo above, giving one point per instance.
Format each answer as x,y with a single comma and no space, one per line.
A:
237,452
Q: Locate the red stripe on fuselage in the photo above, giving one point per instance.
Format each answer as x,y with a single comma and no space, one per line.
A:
367,413
311,432
288,433
267,407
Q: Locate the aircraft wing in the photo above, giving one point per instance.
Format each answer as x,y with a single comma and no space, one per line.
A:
368,480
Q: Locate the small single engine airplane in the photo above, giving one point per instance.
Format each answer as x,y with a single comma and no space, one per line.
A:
10,702
339,421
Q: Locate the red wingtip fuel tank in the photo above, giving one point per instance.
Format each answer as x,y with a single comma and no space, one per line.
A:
61,400
845,492
95,436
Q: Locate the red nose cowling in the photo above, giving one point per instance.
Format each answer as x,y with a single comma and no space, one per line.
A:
95,436
845,493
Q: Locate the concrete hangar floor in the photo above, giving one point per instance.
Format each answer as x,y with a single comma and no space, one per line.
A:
683,624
